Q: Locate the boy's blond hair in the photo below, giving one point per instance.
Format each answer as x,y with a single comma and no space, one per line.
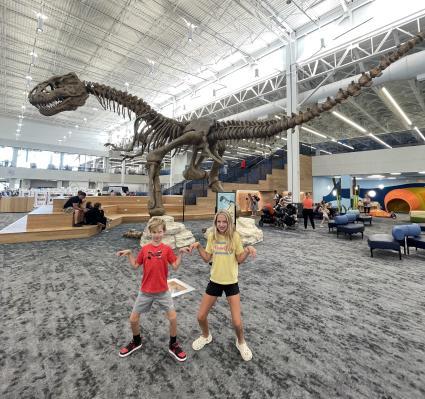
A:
154,223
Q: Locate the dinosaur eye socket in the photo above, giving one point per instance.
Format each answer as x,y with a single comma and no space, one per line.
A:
48,89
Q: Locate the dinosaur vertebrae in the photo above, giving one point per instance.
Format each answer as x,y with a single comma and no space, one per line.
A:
237,130
151,129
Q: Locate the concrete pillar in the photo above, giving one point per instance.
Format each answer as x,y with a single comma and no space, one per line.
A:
59,184
346,183
15,157
61,161
122,172
106,164
178,165
293,135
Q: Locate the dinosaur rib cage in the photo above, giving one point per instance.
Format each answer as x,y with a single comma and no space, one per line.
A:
151,129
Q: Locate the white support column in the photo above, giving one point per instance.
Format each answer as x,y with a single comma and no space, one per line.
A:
293,142
15,156
122,172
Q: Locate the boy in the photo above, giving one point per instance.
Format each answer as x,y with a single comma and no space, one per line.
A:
155,258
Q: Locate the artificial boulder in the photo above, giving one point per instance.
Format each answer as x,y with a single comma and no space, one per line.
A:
176,234
249,232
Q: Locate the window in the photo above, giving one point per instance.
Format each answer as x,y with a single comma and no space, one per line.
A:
6,155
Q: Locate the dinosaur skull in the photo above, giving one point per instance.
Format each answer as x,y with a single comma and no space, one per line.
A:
59,93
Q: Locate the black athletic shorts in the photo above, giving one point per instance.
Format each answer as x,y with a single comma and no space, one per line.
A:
215,289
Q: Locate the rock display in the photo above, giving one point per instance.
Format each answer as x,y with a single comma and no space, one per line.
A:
176,234
249,232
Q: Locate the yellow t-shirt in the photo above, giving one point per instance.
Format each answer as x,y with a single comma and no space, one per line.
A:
225,266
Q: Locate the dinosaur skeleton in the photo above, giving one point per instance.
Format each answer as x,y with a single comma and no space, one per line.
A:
158,135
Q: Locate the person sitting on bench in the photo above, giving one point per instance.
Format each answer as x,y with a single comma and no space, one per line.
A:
96,216
74,205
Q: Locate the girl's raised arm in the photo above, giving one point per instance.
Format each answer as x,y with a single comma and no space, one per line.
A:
204,255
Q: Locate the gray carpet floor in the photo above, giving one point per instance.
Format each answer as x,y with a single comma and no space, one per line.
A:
323,319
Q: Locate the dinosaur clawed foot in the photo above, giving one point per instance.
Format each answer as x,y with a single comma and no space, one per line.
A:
216,186
195,174
158,211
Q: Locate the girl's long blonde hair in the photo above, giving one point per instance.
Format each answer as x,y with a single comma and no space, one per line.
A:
229,233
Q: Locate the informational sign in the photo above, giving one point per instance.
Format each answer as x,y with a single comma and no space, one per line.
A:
227,201
178,287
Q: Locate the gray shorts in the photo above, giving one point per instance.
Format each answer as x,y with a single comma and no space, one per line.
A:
144,301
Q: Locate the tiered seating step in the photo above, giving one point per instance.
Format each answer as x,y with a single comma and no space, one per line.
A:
49,222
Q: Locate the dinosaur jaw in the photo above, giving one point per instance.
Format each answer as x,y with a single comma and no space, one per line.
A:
58,94
54,106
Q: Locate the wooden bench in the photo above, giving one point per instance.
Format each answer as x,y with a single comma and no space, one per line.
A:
44,216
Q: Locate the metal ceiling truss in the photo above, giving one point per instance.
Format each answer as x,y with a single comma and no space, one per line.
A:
258,90
354,54
367,49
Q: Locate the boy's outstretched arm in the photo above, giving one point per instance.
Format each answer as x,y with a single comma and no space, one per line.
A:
248,251
175,265
204,254
131,258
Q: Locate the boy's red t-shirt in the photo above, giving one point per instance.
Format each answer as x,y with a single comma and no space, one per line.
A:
155,260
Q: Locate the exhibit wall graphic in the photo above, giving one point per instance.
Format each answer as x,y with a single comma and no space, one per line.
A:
399,198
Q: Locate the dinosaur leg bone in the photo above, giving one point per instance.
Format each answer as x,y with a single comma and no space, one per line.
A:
155,206
214,182
194,172
153,161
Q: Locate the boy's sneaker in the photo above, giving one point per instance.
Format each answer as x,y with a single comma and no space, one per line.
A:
129,349
200,342
177,352
244,351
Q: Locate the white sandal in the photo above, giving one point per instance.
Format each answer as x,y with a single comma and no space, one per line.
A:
200,342
244,351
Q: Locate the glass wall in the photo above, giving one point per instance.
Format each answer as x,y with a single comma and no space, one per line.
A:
6,155
38,159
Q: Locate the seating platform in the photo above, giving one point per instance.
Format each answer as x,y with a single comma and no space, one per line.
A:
49,222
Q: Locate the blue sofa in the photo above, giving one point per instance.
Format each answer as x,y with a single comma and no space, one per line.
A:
399,237
360,217
345,224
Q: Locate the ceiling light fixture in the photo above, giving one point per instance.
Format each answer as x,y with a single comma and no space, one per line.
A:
40,21
33,58
191,29
349,121
345,145
420,133
307,129
379,140
326,152
396,106
395,173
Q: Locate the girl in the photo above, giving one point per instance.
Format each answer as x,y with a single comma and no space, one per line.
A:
224,248
325,213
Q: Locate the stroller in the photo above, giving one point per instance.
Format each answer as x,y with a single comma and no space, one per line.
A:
286,216
267,217
283,216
